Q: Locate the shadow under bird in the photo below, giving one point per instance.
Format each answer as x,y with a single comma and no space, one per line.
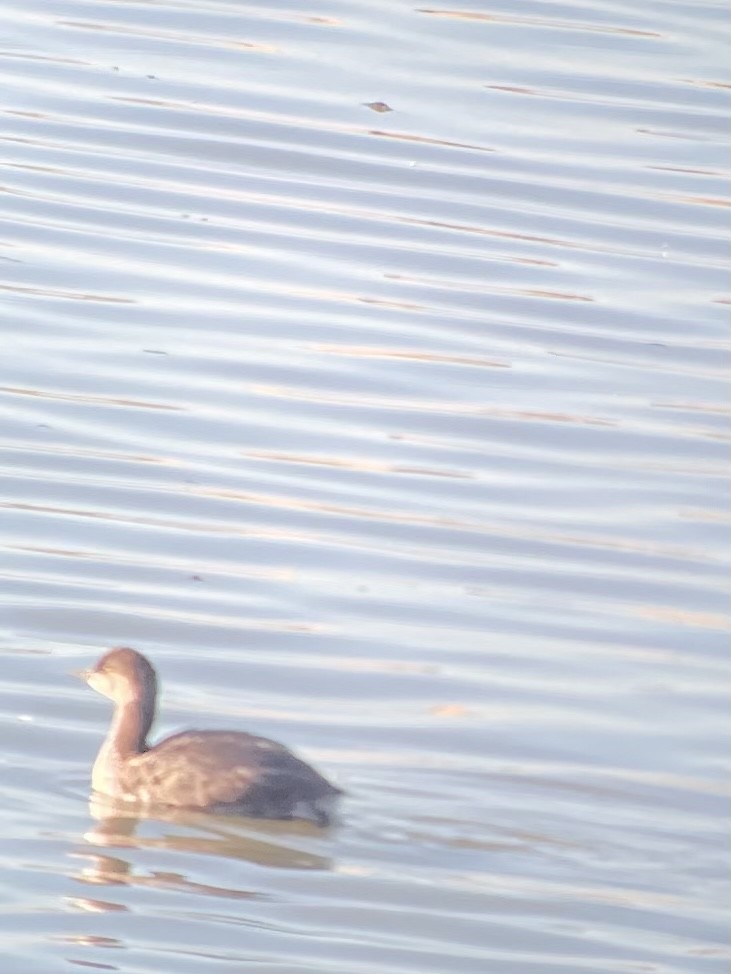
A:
215,771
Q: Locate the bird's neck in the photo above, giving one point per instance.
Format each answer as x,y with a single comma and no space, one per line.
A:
126,737
130,726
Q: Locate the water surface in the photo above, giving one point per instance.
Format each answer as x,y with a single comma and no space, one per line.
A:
365,365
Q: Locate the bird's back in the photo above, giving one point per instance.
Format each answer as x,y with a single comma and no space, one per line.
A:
227,770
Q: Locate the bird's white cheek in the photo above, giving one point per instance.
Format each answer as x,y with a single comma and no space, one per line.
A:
98,682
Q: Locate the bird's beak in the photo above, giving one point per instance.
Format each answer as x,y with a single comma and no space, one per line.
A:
81,675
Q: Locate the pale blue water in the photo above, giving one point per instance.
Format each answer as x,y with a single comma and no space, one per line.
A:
399,436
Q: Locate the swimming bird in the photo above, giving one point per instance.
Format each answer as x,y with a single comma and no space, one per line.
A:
216,771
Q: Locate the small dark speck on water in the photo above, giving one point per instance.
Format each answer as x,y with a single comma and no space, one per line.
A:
377,106
154,351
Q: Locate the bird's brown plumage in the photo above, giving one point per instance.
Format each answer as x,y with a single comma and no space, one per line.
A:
212,770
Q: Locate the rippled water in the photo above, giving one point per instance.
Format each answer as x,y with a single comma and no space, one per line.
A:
364,365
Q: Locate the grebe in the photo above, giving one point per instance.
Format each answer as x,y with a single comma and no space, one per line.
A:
219,771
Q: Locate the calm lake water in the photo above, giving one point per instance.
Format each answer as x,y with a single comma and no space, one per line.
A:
364,365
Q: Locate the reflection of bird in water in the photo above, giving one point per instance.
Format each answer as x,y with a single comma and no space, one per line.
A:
215,771
280,845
